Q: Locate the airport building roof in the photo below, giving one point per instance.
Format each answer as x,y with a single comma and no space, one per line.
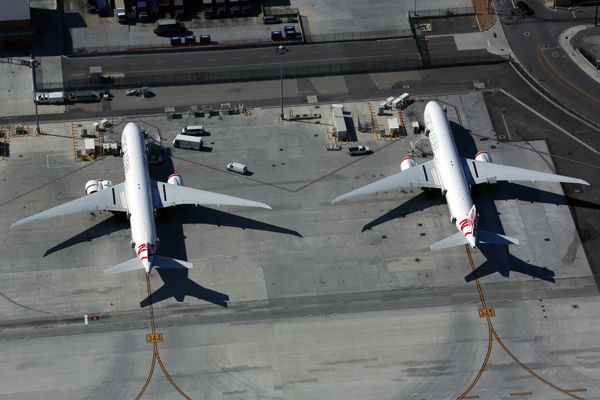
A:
14,10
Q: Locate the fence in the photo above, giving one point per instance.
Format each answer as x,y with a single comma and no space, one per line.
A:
200,77
360,35
550,96
444,12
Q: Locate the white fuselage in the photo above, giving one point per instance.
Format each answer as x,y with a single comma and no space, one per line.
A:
450,171
139,195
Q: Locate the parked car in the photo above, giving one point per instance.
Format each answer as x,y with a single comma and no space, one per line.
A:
269,19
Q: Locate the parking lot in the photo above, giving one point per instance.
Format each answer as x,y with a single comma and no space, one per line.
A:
322,21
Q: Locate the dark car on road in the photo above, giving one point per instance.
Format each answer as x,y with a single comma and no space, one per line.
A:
525,9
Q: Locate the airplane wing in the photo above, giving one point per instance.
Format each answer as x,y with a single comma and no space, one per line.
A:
167,195
109,199
422,175
483,172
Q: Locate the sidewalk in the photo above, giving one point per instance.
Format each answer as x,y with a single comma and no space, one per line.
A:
586,36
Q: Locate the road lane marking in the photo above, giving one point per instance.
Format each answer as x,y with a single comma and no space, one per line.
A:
563,78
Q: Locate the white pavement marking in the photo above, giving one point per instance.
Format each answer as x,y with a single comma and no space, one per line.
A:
85,319
505,126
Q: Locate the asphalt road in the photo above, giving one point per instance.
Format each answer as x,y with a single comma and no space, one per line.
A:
534,41
263,57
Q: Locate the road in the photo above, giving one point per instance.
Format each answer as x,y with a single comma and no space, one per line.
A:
534,41
263,57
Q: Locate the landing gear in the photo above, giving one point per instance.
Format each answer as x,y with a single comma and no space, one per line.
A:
132,244
452,220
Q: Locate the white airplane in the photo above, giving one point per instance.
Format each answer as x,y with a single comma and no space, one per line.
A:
139,197
453,175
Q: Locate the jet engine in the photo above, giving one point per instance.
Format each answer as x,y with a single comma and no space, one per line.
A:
406,163
483,157
97,184
175,180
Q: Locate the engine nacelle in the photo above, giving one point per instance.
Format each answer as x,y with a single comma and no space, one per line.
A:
406,163
97,184
483,157
175,180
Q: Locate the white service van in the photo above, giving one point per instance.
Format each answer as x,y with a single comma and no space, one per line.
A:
50,98
237,167
193,130
188,142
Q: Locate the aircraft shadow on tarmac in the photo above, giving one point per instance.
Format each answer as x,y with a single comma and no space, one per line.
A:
417,203
178,285
103,228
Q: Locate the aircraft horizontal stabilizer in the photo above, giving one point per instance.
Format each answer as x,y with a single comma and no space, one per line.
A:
165,262
126,266
457,239
495,238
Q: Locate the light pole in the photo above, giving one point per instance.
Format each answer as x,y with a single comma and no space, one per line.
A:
37,122
281,50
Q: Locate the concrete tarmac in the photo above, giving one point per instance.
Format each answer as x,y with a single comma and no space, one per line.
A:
308,300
